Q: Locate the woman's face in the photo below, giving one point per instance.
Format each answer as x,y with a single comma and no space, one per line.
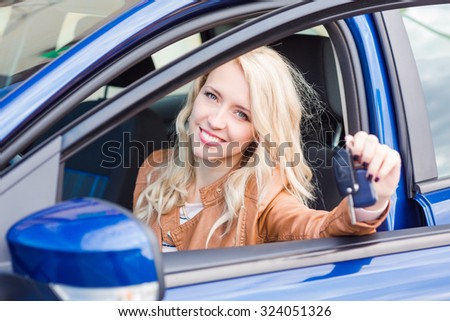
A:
221,120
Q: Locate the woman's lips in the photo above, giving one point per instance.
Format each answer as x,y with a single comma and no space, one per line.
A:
209,139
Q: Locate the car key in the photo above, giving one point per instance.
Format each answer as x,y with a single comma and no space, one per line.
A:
365,194
345,179
343,171
352,182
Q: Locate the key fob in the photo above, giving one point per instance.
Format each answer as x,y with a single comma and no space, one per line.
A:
352,181
343,171
365,194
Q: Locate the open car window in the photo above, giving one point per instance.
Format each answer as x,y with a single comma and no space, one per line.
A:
114,158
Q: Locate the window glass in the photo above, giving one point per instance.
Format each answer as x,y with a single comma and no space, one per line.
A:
315,31
429,33
175,50
34,32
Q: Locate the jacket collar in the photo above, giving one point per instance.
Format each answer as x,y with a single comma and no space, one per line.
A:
213,193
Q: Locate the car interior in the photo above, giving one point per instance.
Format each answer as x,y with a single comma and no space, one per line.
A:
112,178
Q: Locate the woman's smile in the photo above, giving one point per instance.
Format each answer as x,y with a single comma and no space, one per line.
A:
209,139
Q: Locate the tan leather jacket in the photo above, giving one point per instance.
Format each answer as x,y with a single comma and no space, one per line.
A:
280,217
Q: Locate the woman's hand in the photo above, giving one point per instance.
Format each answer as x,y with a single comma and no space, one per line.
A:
382,163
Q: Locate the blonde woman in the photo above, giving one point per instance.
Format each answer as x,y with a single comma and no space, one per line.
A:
237,175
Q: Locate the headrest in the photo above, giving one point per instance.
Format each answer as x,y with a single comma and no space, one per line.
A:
313,56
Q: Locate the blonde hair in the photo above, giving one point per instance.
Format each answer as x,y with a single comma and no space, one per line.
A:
276,92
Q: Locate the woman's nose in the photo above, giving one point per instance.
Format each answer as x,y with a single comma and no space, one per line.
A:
217,118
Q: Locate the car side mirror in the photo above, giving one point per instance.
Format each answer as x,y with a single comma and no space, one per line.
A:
88,249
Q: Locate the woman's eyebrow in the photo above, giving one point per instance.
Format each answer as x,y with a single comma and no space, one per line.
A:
217,92
245,109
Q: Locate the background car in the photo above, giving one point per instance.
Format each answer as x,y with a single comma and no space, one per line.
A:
83,106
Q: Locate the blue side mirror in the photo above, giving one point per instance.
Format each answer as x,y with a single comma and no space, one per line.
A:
88,249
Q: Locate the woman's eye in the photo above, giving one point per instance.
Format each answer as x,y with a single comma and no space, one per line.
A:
211,96
241,115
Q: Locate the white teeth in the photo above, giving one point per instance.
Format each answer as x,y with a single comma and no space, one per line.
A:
209,137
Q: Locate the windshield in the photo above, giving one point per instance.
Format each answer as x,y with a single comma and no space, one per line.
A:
34,32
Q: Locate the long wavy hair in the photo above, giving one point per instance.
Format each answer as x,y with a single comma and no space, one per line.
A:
278,93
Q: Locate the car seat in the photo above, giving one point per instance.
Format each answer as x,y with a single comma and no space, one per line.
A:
107,168
313,56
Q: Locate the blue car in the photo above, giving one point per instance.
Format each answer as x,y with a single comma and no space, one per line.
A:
89,89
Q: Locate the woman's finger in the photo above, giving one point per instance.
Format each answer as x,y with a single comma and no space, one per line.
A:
377,161
358,145
369,150
391,161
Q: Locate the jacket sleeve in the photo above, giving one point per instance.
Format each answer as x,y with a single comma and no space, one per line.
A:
155,160
285,218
